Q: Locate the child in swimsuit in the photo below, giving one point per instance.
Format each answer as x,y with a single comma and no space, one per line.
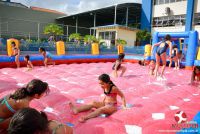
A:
161,54
21,98
47,57
117,66
38,123
16,53
195,74
174,57
109,103
28,62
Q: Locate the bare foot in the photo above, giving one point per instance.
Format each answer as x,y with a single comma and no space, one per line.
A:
82,119
73,108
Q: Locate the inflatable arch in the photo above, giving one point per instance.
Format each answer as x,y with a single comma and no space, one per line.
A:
192,40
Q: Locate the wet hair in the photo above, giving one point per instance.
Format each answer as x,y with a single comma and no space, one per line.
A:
13,43
42,49
167,37
197,67
180,52
121,56
175,46
35,86
27,57
106,79
28,121
141,63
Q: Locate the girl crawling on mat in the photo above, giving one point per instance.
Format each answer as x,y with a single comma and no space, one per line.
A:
195,74
21,98
28,62
152,66
47,57
117,66
109,103
30,121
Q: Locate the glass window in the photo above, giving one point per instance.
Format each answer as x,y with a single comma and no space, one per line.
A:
172,1
156,2
161,1
178,0
106,35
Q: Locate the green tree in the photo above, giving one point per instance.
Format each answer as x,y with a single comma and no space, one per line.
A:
121,42
76,37
53,30
143,35
90,39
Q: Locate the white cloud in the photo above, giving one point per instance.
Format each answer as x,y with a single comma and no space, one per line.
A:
73,6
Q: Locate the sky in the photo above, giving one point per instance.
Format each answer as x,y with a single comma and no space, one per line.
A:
73,6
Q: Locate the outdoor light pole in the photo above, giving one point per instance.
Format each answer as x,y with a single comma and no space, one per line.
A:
77,24
115,14
127,16
38,31
67,32
94,23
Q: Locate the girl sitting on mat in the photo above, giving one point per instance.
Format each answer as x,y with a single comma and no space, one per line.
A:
117,66
38,123
47,57
28,62
21,98
195,74
109,103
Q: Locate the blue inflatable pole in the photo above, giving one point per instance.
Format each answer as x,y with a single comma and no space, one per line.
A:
192,48
155,40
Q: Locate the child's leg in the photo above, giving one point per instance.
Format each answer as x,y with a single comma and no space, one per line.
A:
45,62
123,70
85,107
17,61
157,65
115,73
170,62
103,110
163,58
50,61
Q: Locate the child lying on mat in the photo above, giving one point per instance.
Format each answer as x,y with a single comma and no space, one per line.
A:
109,103
195,74
30,121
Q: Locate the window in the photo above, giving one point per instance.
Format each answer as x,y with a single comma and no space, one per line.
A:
166,1
177,20
171,1
161,1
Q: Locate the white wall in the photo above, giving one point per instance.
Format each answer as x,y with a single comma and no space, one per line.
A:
177,8
128,35
197,6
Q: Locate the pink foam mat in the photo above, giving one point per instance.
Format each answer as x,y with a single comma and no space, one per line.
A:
149,97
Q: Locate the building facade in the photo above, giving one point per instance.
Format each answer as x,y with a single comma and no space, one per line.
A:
170,15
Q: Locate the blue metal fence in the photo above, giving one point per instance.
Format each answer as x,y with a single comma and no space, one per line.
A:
70,48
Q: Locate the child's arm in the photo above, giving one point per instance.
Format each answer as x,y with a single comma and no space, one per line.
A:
192,77
122,97
31,65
